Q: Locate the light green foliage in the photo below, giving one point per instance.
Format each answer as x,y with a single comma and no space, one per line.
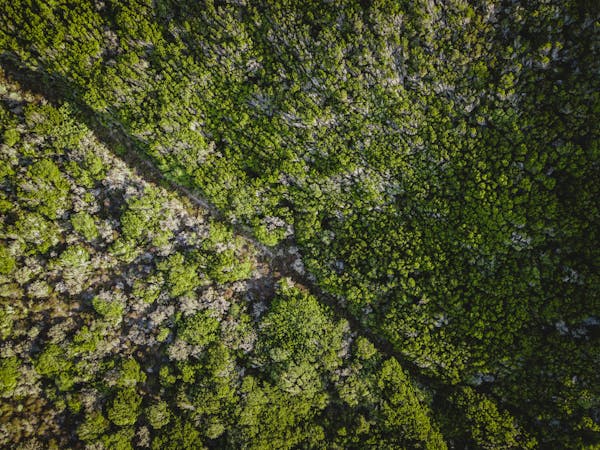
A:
119,440
87,170
11,137
166,377
158,414
199,329
181,434
74,264
125,250
131,373
9,374
125,407
133,224
148,289
6,322
221,259
84,223
163,334
52,361
86,340
45,189
225,267
142,220
37,232
73,258
7,261
6,171
272,417
365,350
111,309
58,125
181,274
298,328
74,403
94,425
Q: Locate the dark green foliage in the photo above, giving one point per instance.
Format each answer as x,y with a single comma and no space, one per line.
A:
488,427
400,409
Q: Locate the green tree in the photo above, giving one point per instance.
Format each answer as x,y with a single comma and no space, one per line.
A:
38,233
7,261
84,224
109,308
181,274
9,374
180,435
488,427
130,373
44,188
158,414
52,361
125,407
198,329
94,425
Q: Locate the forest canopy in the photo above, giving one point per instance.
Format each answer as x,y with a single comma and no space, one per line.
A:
300,224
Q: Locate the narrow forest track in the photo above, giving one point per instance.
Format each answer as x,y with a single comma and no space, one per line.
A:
280,258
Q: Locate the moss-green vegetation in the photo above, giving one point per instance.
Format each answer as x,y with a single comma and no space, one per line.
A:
435,163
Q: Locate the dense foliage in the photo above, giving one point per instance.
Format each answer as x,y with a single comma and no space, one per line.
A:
164,334
435,162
